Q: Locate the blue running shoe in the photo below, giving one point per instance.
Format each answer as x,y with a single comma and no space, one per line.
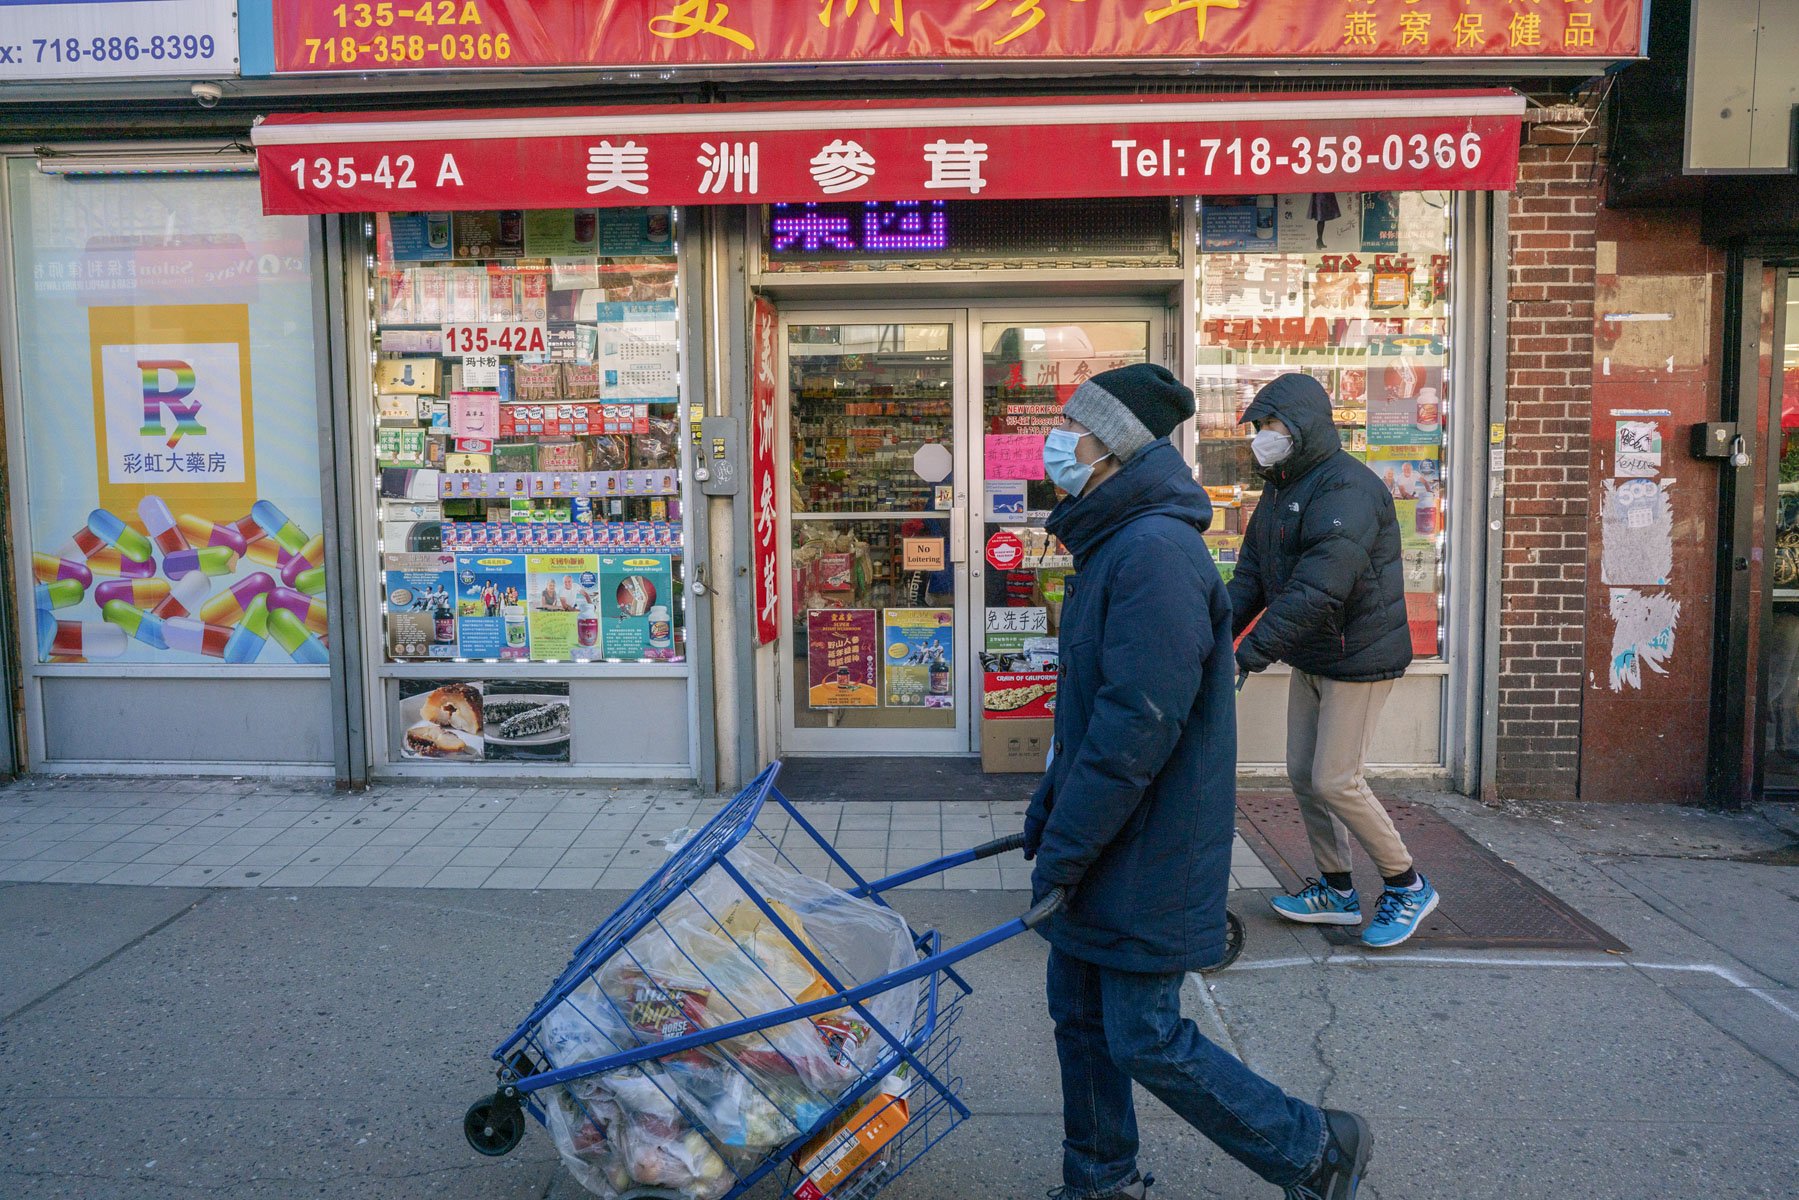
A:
1319,904
1399,913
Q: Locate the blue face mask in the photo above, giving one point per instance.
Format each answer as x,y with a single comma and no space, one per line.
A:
1065,471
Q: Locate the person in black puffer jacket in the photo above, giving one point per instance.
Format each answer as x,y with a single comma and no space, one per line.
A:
1319,585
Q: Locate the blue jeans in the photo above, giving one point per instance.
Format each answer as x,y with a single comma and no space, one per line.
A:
1116,1026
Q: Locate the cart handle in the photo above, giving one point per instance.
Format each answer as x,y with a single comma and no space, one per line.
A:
1051,904
1014,841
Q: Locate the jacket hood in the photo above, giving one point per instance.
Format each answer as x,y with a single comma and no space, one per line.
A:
1156,481
1304,407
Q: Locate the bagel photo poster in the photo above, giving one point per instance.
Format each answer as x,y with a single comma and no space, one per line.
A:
486,720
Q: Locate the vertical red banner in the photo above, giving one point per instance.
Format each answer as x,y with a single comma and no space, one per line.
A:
765,525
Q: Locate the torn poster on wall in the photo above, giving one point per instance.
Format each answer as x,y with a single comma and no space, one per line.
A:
1638,450
1636,533
1642,634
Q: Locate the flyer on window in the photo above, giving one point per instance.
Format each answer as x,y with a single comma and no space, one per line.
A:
563,613
842,652
920,657
490,607
421,620
636,596
471,721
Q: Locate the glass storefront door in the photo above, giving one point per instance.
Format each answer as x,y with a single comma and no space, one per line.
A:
924,593
872,645
1780,729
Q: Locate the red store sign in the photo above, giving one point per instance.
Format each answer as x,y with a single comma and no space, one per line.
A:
765,526
991,149
313,36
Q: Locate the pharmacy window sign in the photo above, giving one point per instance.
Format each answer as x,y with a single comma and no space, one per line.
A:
173,411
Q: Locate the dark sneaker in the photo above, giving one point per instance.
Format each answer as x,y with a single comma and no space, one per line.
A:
1346,1157
1130,1189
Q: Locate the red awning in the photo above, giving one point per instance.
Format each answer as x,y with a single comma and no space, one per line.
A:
989,149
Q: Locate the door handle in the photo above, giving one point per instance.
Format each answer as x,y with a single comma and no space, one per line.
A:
958,534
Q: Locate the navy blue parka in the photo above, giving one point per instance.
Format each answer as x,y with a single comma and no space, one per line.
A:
1135,813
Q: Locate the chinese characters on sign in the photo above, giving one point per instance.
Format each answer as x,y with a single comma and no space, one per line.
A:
765,526
1018,150
325,35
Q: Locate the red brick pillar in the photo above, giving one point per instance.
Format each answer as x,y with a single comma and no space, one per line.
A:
1543,583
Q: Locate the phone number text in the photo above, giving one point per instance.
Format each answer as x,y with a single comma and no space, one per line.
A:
1349,155
174,47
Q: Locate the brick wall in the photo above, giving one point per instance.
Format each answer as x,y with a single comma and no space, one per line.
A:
1542,623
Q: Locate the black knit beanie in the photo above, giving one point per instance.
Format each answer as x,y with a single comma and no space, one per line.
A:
1129,407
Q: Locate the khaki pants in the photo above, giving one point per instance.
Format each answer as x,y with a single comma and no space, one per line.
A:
1329,726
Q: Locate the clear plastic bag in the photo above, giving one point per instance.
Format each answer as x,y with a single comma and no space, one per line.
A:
713,957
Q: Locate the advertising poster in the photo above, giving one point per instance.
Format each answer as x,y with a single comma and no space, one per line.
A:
418,236
635,232
165,345
562,233
1019,696
1410,472
563,606
490,607
469,721
1405,404
1320,223
638,356
1234,224
421,605
637,596
920,657
842,650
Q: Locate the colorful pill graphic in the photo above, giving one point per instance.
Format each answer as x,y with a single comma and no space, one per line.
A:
48,568
251,635
46,633
300,645
60,593
114,532
185,596
268,552
140,593
311,582
145,627
195,637
274,523
229,606
310,609
201,532
87,640
248,529
111,562
310,556
83,545
210,560
155,514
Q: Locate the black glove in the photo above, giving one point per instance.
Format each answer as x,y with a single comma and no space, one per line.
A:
1033,836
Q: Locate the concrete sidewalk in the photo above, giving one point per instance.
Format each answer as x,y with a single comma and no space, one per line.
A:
186,832
263,1043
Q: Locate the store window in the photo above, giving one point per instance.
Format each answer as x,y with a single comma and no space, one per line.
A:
528,437
1351,288
1780,769
168,366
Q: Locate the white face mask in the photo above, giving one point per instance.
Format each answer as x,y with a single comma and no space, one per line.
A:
1271,447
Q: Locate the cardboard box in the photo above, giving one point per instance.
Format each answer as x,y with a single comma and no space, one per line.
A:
830,1158
1015,747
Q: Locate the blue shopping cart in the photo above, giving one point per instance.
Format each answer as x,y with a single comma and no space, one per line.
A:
881,1104
709,1034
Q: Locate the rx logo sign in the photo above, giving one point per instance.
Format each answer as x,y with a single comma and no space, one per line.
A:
169,383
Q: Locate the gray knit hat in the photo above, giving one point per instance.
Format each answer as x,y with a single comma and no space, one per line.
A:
1129,407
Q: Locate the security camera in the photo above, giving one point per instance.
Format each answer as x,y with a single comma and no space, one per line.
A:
208,94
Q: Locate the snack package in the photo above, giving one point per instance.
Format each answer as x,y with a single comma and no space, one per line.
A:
838,1152
660,447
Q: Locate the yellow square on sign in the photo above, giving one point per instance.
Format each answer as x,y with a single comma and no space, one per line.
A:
173,415
924,554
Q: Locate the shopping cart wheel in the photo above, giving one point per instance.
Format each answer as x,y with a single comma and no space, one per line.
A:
494,1125
1233,943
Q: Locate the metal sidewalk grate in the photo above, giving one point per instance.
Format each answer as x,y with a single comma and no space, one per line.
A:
1486,903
